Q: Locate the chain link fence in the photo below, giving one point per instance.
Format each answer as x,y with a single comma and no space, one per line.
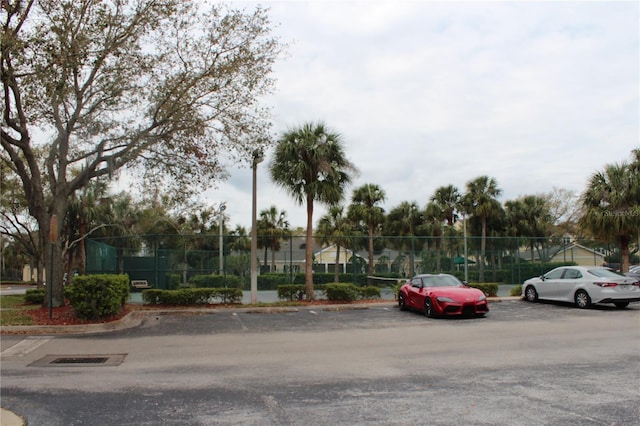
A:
169,261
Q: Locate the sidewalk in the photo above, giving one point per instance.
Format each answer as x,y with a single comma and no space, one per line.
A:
9,418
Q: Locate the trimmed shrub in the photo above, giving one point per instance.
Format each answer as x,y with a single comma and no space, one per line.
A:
369,292
291,292
341,292
34,296
98,296
516,290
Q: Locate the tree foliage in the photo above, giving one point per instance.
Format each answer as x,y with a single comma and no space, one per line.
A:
159,87
612,204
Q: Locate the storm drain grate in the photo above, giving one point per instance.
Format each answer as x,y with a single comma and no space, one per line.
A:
90,360
79,360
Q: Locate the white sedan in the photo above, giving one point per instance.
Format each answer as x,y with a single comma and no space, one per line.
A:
583,286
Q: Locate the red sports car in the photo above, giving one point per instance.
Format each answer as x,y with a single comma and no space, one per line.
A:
441,294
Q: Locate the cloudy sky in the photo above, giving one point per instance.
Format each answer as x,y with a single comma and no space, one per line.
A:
426,94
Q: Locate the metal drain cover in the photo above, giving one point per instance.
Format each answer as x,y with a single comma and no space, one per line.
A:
102,360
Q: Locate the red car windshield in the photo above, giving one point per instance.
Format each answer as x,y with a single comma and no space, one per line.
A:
441,281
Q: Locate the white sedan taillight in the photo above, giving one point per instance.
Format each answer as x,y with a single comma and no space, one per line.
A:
606,284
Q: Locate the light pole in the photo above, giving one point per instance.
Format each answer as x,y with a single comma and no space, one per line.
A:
464,232
221,209
257,158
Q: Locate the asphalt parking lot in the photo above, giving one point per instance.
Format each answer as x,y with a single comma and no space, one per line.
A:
523,364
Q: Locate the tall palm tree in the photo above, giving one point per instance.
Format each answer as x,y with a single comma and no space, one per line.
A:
311,164
272,228
446,199
480,200
335,228
433,223
404,221
612,205
364,208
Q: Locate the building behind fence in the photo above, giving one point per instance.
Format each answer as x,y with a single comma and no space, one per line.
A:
168,261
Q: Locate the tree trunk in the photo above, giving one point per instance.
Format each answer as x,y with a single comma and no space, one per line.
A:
438,255
336,272
370,266
308,252
273,258
624,254
483,245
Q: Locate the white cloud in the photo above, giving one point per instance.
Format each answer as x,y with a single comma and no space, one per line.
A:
425,94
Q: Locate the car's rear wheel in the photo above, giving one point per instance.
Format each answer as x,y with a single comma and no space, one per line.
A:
531,294
621,305
582,299
429,310
402,303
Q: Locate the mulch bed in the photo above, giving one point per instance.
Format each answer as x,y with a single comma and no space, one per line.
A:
65,315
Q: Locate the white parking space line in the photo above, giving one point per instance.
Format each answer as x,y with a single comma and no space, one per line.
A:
237,318
25,346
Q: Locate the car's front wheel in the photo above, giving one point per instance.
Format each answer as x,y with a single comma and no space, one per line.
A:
402,303
621,305
531,294
582,299
429,310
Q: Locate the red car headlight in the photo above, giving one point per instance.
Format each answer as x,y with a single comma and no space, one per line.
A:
444,299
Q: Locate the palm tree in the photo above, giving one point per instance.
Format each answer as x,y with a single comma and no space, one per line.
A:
404,221
529,217
446,200
84,216
310,163
433,222
272,228
335,228
364,208
612,205
480,200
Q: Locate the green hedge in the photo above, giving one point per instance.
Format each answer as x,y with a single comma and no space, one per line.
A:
98,296
271,280
490,289
347,292
215,281
333,291
192,296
